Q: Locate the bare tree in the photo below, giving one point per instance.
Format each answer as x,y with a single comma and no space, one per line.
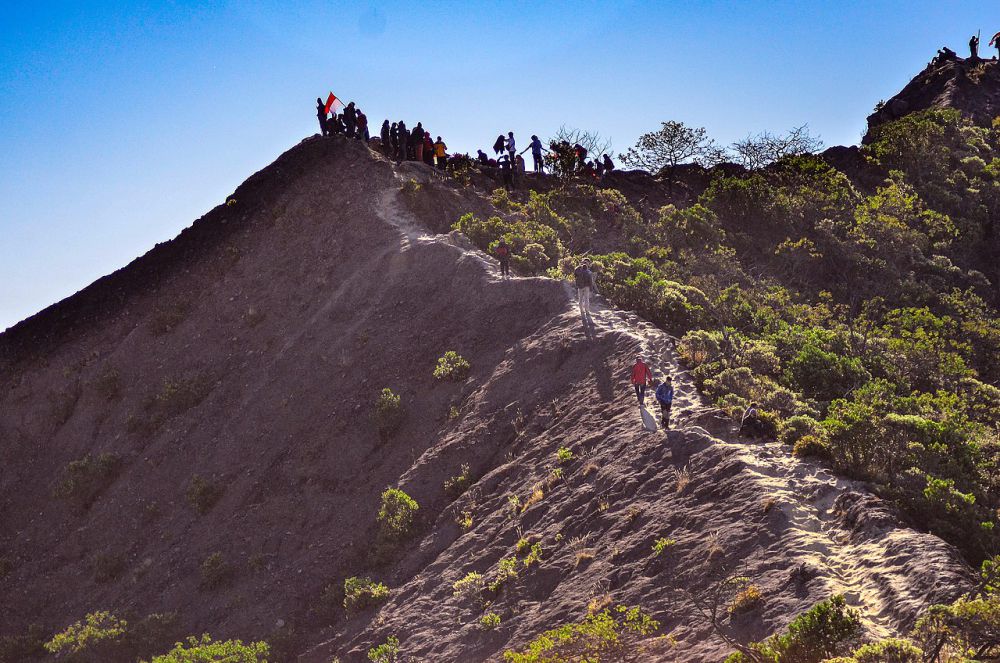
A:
593,142
763,149
675,143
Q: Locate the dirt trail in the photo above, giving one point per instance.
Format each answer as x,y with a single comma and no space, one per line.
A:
872,566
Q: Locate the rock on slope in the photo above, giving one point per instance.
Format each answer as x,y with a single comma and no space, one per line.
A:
249,352
970,86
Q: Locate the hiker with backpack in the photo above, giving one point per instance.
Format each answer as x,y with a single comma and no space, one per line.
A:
641,377
503,255
665,397
584,286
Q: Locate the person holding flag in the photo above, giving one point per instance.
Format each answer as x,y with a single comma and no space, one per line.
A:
996,42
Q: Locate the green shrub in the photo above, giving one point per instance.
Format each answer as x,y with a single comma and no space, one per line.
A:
388,413
94,635
490,621
206,650
506,571
459,483
202,494
794,428
215,571
822,632
610,635
892,650
662,544
470,587
564,455
396,515
811,446
387,652
83,480
361,593
452,366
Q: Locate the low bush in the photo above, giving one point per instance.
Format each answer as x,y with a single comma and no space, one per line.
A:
746,600
83,480
452,367
811,446
362,593
459,483
95,635
564,455
396,516
822,632
610,635
662,544
202,494
387,652
206,650
489,621
215,571
388,413
470,587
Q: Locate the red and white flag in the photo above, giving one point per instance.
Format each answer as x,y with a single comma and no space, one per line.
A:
333,102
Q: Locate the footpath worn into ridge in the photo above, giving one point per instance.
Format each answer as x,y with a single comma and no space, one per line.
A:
278,317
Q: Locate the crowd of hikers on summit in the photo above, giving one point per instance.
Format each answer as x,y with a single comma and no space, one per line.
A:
401,143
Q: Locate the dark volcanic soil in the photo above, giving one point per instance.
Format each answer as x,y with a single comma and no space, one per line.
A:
249,352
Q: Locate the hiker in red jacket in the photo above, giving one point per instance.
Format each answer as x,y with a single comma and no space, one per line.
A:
641,376
503,255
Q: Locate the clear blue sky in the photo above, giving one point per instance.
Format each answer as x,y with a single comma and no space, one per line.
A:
121,122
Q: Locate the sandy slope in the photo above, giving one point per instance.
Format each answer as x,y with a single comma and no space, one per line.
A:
283,314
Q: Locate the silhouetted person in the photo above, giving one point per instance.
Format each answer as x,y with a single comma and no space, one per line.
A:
483,159
510,145
350,119
609,165
536,154
974,47
417,138
428,149
498,145
336,124
385,135
506,172
996,42
404,142
321,116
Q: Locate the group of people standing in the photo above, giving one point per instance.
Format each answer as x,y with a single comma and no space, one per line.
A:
415,144
351,123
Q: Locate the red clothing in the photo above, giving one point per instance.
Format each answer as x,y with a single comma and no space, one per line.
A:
641,374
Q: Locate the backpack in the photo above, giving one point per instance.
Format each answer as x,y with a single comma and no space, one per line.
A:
582,275
503,250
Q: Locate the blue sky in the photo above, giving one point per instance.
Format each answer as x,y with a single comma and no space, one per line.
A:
122,122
